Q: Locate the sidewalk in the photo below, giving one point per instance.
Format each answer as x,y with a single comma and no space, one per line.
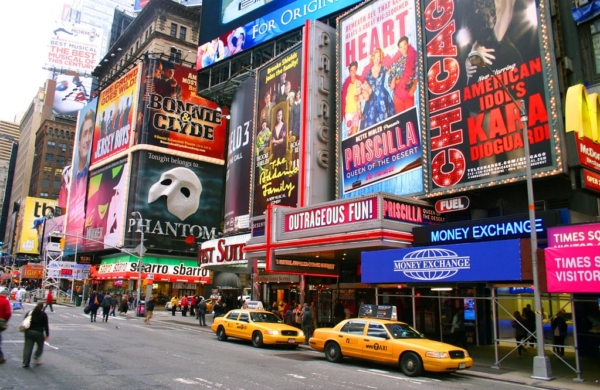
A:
513,369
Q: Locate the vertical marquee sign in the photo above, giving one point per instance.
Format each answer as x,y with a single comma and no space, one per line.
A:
475,134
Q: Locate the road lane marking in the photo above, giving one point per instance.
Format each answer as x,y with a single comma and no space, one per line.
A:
400,378
297,376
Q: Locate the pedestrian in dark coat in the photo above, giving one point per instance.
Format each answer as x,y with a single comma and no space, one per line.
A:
35,335
106,306
306,324
94,304
520,324
289,317
559,330
202,311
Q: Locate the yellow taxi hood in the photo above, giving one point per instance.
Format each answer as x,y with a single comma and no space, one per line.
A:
429,345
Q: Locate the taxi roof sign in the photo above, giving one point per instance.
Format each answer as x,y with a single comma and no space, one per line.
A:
377,311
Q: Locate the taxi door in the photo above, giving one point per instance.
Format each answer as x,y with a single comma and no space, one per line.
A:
378,345
231,324
243,326
351,338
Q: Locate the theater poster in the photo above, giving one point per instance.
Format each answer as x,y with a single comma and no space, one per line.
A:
179,199
277,138
105,210
475,135
174,117
380,145
116,116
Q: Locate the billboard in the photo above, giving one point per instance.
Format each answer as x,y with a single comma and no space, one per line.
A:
239,158
174,117
380,142
475,134
105,209
71,94
573,269
33,215
484,261
116,116
79,175
278,131
74,46
230,27
177,198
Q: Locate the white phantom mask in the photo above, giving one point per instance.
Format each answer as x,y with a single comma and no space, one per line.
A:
182,188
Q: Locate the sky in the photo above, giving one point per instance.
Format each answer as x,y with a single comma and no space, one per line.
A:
25,28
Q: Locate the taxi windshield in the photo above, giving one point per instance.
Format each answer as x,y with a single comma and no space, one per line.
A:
264,317
402,331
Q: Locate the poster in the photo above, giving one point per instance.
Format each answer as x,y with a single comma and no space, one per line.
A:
105,210
381,147
177,198
239,159
475,134
35,213
174,117
276,143
74,46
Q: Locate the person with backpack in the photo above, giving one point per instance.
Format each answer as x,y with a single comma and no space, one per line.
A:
94,304
202,311
106,306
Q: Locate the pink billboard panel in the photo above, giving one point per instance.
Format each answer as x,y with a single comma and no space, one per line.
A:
573,269
574,235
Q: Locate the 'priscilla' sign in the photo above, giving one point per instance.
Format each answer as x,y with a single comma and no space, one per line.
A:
573,269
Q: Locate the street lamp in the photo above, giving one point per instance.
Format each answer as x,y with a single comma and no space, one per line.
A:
140,250
541,363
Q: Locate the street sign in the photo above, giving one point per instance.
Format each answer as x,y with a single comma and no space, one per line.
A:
452,204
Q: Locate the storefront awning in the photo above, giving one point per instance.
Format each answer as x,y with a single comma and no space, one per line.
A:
227,280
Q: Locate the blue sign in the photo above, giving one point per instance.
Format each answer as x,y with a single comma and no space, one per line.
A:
262,29
478,262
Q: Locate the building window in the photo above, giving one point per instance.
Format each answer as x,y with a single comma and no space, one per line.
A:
182,32
57,171
43,194
62,147
60,159
49,157
51,144
45,183
56,185
173,29
47,169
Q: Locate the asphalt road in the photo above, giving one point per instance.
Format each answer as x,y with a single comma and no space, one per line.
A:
125,353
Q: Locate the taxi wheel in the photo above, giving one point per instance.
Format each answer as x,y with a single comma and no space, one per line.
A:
257,339
410,364
333,352
221,335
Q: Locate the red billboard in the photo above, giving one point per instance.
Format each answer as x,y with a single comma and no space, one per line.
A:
116,119
475,133
174,117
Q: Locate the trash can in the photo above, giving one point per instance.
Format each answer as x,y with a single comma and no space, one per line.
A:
78,300
140,310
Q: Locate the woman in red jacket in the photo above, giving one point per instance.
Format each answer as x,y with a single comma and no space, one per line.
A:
49,299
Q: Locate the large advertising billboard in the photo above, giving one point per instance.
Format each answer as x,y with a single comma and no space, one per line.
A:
475,133
239,159
230,27
380,140
105,209
82,151
175,117
116,116
71,94
278,131
74,46
33,215
177,198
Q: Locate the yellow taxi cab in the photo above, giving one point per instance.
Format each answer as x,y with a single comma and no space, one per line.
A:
259,326
388,341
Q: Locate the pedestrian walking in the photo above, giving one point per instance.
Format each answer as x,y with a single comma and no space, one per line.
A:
184,306
5,314
338,311
35,335
306,323
49,298
94,304
113,305
202,311
313,314
149,310
106,306
174,303
217,309
559,330
529,315
519,323
288,318
458,329
192,302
